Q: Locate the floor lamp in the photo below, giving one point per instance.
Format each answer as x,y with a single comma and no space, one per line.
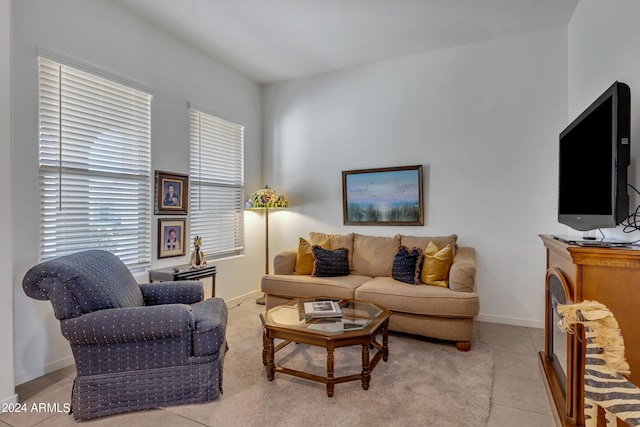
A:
265,199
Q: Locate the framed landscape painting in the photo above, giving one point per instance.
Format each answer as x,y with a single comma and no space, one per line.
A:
384,196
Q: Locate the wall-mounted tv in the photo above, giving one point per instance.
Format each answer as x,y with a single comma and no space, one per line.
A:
594,156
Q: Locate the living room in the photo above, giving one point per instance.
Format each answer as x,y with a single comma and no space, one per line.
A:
482,118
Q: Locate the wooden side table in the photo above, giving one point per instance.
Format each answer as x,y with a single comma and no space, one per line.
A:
184,272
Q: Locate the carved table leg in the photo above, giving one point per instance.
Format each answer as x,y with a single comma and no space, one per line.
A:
264,347
264,339
271,366
366,373
385,343
330,378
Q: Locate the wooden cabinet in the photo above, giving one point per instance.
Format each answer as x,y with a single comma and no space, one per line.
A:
608,275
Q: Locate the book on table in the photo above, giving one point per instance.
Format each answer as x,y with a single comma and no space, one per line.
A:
322,309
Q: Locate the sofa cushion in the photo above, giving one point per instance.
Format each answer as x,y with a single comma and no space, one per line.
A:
304,257
436,264
422,242
407,265
373,256
422,300
330,263
336,241
293,286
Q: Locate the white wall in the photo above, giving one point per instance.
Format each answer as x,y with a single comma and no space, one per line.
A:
7,392
111,38
483,119
603,47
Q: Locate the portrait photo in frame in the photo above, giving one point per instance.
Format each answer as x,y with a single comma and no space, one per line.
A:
172,192
383,196
171,237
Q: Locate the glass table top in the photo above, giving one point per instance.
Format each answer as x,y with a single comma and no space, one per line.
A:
355,315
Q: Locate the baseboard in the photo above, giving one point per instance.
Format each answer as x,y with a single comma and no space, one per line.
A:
9,400
510,321
32,374
234,302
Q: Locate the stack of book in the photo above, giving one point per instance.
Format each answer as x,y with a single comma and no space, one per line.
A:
322,309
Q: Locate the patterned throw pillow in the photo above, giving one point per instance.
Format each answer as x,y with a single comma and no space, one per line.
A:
406,265
436,265
304,257
328,263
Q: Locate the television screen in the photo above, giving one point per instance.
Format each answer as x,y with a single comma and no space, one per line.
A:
586,154
594,156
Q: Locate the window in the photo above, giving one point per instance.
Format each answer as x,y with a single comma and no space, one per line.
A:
217,184
94,165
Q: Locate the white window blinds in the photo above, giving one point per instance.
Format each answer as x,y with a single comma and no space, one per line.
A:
217,184
94,165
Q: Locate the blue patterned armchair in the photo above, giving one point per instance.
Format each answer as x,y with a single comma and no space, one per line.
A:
136,346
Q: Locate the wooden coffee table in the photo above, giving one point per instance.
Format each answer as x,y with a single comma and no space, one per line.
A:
360,324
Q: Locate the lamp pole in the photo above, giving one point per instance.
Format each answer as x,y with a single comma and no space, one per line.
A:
263,199
266,241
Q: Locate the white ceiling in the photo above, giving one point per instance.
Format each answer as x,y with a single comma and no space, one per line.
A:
276,40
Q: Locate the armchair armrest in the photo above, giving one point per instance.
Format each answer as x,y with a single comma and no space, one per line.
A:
178,292
130,324
284,262
463,270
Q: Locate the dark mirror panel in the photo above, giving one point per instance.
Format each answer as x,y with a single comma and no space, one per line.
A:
557,340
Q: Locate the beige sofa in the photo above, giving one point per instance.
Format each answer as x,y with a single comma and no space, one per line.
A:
445,313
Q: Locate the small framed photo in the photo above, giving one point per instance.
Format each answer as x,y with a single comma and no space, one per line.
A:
171,237
384,196
172,192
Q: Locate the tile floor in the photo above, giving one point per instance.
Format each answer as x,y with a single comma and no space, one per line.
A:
518,398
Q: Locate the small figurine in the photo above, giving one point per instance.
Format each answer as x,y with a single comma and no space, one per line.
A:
197,256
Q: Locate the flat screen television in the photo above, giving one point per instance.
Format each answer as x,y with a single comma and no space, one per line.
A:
594,157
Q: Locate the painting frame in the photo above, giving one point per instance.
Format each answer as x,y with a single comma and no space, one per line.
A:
383,196
166,247
171,193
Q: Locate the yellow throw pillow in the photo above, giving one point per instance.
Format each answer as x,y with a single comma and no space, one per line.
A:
435,265
304,258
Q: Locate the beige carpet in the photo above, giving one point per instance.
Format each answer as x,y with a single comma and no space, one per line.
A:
423,383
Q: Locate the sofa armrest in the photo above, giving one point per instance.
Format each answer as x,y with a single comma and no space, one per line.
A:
284,262
463,270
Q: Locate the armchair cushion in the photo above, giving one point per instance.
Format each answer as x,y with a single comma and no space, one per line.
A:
132,324
180,292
